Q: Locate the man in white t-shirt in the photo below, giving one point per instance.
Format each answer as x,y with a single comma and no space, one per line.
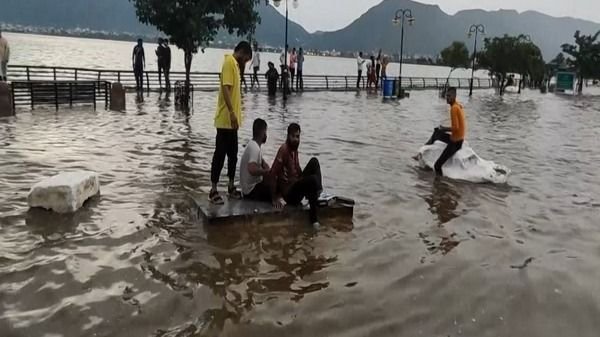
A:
360,63
255,66
254,170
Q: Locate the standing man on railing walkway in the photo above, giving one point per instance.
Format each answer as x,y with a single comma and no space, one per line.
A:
299,70
4,57
228,120
163,54
255,66
361,66
138,60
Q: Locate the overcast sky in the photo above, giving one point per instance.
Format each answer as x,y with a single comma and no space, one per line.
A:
335,14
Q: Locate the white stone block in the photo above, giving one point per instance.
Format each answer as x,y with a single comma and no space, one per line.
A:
464,165
65,192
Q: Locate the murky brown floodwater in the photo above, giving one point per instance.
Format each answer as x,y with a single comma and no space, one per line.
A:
422,258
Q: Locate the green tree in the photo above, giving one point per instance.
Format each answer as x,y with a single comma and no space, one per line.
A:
530,62
192,24
584,57
511,54
455,55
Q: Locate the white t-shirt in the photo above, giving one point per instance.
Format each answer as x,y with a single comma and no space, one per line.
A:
256,60
360,62
252,154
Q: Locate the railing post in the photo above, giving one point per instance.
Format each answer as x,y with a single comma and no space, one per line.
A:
346,78
437,84
424,86
147,82
327,82
56,94
119,76
54,71
411,82
28,78
71,95
30,90
75,74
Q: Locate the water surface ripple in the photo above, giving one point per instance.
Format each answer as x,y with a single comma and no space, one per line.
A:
422,258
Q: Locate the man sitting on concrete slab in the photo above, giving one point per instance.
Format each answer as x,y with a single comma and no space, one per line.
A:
293,183
254,170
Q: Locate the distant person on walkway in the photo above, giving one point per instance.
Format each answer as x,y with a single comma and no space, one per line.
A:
139,63
167,63
255,173
371,77
293,183
299,70
228,119
4,58
163,54
384,63
378,70
454,136
272,78
255,66
361,66
292,61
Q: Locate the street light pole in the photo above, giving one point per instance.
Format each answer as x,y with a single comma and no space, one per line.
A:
286,77
474,29
285,71
399,17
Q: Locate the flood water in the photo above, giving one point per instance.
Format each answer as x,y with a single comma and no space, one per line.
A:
421,257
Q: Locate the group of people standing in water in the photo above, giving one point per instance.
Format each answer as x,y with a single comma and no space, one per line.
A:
283,182
376,69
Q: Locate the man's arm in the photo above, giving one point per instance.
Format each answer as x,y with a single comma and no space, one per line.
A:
276,172
227,97
144,58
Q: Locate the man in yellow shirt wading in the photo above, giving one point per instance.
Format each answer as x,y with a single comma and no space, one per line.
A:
228,119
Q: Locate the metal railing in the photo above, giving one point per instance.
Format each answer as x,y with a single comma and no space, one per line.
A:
207,81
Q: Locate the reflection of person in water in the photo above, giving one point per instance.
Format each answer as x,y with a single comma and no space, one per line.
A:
443,201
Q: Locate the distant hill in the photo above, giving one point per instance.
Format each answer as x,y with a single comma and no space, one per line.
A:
432,31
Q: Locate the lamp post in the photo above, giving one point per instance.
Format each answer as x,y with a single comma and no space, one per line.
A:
474,29
286,75
399,17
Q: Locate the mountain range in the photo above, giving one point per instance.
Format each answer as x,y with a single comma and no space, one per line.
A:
432,31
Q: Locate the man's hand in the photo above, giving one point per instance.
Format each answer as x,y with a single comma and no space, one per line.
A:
279,203
234,122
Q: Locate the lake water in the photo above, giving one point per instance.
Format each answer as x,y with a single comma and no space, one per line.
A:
91,53
422,257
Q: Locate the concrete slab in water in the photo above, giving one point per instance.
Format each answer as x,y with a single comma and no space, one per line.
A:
244,211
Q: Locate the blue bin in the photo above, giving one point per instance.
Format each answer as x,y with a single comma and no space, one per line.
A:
388,88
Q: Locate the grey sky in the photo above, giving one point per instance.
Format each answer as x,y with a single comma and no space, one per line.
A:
335,14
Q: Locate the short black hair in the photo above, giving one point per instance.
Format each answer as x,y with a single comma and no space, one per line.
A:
140,40
451,89
293,128
244,47
259,126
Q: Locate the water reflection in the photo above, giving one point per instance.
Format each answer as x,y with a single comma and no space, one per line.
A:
443,200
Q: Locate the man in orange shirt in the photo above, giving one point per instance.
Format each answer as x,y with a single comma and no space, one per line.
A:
454,136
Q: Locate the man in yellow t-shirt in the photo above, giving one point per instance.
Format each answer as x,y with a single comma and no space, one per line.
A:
454,136
228,119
